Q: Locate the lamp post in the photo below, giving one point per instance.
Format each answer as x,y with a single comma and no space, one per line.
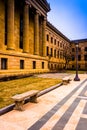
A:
76,76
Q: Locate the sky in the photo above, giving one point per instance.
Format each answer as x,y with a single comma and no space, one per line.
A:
69,17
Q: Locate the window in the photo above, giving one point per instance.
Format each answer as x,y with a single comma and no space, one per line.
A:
79,66
3,63
79,49
51,39
55,53
47,37
85,48
51,66
73,67
55,42
86,66
47,51
58,43
85,57
58,54
42,65
61,55
34,64
73,57
79,57
55,66
61,44
21,31
73,49
51,51
21,64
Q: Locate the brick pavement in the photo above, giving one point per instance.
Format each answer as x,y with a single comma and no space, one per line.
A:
64,108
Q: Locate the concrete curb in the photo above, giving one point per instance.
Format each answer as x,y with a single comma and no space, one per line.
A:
49,89
10,107
6,109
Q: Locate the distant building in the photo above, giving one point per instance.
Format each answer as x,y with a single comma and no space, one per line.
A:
56,43
82,54
29,43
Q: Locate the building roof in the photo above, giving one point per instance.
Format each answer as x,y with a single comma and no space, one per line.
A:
62,35
57,31
79,41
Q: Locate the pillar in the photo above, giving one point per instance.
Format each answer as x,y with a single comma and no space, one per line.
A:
44,36
26,29
40,41
37,33
10,25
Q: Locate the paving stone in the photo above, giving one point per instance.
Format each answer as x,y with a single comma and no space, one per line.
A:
61,108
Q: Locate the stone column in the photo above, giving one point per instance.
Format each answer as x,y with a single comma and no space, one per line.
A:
36,33
44,36
26,29
10,25
40,41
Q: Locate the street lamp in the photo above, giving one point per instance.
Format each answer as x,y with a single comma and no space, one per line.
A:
76,77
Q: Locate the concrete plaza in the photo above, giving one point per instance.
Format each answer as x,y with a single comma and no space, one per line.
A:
64,108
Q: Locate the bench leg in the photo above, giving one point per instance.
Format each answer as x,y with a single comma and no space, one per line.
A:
65,82
19,105
33,99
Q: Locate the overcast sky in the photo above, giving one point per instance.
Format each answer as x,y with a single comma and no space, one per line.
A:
69,17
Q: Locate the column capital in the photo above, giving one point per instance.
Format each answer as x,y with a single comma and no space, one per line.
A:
45,18
27,3
38,12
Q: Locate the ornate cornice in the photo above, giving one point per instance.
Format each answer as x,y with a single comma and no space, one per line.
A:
41,5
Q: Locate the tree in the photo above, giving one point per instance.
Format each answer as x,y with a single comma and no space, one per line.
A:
67,55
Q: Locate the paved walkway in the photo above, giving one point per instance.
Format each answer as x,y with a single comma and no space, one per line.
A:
64,108
54,75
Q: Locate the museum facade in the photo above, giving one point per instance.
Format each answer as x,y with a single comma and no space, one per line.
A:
28,42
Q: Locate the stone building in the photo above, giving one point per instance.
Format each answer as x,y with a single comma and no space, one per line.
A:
82,54
22,35
56,43
28,42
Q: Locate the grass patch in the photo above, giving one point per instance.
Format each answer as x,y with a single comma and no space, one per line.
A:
10,88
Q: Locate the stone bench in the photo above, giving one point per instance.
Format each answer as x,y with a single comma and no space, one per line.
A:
19,99
66,80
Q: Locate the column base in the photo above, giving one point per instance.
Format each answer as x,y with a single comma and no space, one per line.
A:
35,53
10,49
25,52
